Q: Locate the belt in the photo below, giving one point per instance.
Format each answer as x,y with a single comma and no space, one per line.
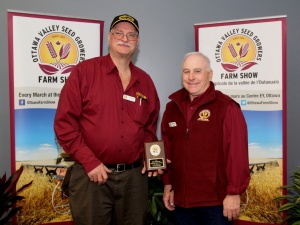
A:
122,166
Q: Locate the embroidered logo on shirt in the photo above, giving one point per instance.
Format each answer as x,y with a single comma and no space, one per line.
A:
172,124
204,115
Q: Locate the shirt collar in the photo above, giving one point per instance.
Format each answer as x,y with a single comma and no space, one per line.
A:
111,67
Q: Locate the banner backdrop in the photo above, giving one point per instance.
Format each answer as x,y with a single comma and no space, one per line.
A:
248,58
43,49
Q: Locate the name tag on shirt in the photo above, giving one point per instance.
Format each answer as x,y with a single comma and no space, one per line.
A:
129,98
172,124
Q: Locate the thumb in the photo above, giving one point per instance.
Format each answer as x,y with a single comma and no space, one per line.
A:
107,170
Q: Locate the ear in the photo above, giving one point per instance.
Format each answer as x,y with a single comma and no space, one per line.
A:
108,36
211,73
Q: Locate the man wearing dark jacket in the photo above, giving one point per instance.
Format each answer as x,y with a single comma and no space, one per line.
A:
205,136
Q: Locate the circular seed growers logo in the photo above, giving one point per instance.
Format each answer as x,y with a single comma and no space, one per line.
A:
56,50
155,150
239,50
204,115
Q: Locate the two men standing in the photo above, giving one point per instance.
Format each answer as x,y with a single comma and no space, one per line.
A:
102,123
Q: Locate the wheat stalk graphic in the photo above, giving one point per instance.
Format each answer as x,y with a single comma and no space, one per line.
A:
51,50
238,63
63,54
243,51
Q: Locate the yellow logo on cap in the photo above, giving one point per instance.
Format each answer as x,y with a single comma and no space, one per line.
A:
129,18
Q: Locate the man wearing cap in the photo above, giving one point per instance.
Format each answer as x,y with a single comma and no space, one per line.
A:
102,123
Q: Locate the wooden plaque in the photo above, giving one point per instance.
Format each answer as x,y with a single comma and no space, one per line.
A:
155,155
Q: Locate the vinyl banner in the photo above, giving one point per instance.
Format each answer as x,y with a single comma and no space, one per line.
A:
248,58
43,49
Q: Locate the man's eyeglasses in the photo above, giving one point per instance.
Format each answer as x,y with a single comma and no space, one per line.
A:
120,35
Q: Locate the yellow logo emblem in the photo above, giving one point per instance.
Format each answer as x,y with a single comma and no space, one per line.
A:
58,52
204,115
238,52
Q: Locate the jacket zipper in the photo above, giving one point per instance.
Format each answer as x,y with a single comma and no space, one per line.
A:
187,133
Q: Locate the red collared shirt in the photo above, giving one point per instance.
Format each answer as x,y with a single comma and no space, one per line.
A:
97,121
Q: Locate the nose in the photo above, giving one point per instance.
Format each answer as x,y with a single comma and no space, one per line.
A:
191,76
125,38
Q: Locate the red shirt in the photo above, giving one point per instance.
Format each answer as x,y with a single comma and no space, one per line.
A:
97,121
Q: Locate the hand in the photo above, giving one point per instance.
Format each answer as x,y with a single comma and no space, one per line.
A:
231,207
99,174
168,197
153,173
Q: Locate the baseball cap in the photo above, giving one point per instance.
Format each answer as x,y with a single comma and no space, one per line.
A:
125,18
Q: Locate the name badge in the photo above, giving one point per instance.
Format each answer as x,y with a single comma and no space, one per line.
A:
129,98
172,124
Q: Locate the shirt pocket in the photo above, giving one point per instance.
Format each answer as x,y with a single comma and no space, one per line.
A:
138,111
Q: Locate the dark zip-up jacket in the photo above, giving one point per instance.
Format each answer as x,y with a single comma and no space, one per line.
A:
209,154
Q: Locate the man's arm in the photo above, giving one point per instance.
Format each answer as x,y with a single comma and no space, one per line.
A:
235,145
150,130
168,197
236,153
66,123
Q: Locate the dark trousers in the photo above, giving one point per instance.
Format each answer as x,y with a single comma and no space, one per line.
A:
122,200
211,215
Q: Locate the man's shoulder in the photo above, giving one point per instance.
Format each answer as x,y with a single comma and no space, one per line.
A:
225,98
90,61
177,97
88,67
140,71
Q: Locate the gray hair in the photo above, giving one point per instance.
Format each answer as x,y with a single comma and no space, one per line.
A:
201,55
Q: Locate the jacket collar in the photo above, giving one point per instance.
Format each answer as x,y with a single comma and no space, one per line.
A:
182,95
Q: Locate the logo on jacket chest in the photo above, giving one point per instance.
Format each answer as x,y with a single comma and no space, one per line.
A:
204,115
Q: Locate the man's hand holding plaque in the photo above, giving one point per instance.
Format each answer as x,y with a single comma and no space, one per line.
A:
155,155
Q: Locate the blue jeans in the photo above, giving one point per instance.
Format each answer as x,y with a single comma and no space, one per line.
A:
210,215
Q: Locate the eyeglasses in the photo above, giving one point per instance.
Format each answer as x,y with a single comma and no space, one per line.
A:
120,35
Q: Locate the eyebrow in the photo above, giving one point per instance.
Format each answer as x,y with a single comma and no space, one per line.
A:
197,68
130,32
